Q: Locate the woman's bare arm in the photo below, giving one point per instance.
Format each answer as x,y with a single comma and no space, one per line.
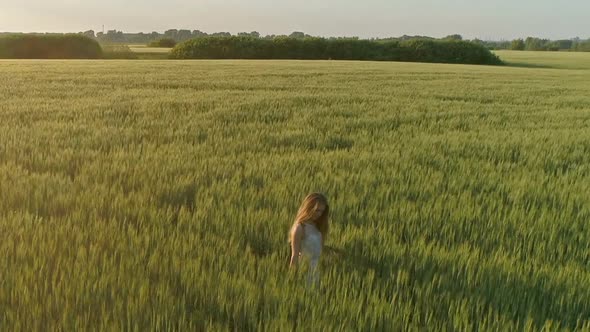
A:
296,238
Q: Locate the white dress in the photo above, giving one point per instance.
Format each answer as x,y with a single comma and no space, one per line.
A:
311,249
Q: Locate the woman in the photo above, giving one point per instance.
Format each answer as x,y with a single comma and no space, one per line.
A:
309,232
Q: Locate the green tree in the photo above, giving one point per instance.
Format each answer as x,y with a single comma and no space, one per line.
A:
297,35
454,37
172,33
478,41
564,44
89,33
221,34
198,34
535,44
183,35
253,34
517,45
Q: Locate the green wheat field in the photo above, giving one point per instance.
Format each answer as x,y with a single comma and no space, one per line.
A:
157,195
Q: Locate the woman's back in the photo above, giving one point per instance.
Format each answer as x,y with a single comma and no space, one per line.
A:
311,244
311,249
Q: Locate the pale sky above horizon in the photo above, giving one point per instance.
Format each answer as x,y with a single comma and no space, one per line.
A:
489,20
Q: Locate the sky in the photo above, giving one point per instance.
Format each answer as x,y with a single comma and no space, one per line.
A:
488,20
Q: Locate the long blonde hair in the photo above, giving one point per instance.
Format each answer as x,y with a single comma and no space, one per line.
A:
307,214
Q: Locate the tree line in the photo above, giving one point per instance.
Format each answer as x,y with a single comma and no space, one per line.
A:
251,46
315,48
181,35
451,49
54,46
538,44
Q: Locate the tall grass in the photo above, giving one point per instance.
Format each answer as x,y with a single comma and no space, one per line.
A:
158,195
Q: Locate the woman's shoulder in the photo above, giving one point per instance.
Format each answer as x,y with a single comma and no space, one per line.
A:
297,230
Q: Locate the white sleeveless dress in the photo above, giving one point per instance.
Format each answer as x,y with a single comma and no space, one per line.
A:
311,249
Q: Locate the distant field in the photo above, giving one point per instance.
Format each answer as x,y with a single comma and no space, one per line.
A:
558,60
144,49
150,53
144,195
